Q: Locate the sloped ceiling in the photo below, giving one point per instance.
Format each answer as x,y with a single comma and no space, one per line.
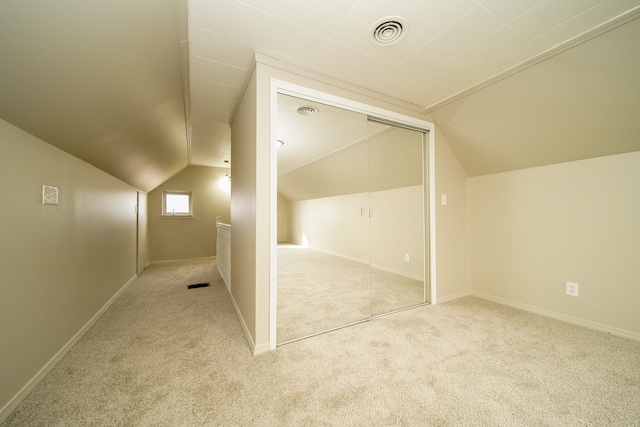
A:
579,104
101,80
336,152
308,138
141,89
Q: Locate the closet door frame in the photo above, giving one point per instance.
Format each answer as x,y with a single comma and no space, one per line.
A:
292,89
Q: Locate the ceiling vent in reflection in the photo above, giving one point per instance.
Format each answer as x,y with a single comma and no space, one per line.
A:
389,31
307,110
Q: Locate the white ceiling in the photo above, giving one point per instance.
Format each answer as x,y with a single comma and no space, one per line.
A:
143,88
451,46
308,138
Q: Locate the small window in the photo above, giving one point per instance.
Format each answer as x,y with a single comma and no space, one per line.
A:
177,203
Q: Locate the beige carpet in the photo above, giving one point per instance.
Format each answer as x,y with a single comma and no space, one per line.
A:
163,355
318,291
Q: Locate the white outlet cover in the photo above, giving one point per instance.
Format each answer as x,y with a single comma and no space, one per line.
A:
572,289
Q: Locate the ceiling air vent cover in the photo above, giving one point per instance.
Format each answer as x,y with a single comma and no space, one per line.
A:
307,110
389,31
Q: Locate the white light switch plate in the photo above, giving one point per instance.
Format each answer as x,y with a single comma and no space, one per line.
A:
49,195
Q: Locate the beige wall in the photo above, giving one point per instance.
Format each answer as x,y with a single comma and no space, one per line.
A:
283,219
534,229
335,225
243,211
398,228
59,265
183,238
332,224
452,250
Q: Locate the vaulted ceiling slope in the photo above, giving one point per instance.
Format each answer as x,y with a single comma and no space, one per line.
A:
132,88
101,80
578,104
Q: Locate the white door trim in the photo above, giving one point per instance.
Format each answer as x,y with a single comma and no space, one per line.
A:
280,86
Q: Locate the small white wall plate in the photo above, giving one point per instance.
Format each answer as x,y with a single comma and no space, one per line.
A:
49,195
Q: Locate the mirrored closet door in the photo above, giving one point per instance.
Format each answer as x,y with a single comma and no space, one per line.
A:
350,218
396,221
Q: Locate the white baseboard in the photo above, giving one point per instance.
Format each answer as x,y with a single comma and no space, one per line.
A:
168,261
451,297
262,348
398,272
225,279
245,329
563,317
363,261
24,392
367,262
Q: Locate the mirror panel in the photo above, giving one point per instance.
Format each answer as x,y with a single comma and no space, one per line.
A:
350,218
323,262
397,223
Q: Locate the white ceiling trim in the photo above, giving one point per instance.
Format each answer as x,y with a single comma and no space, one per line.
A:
287,88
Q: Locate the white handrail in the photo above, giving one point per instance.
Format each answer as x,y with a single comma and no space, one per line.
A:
223,225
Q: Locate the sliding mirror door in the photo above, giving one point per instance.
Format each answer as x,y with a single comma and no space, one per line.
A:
397,236
323,248
350,218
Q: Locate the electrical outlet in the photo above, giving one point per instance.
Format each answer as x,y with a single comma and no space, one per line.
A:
406,257
572,289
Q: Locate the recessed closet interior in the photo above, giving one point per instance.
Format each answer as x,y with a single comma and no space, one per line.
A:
352,217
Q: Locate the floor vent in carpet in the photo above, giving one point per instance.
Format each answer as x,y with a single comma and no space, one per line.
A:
198,285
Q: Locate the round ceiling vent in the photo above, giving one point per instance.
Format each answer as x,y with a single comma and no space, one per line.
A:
307,110
389,31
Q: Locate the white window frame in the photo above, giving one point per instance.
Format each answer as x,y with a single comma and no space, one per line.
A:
179,214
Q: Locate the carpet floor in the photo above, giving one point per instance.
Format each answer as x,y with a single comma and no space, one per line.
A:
318,291
163,355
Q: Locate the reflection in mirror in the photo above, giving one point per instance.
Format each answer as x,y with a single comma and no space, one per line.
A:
397,222
323,250
350,218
